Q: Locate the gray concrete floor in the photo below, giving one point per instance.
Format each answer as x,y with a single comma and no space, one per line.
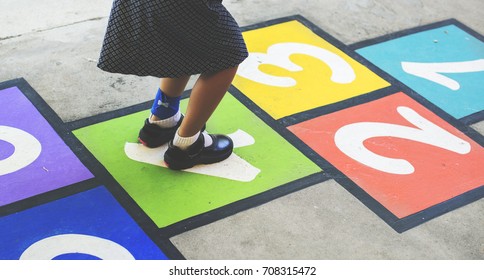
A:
54,45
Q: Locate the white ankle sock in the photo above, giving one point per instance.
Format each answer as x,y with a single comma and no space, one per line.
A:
167,123
185,142
208,139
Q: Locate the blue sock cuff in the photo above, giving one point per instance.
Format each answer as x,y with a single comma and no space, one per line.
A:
164,106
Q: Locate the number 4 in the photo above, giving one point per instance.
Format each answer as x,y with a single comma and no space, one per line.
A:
431,71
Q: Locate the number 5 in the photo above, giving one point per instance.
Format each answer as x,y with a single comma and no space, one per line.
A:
27,149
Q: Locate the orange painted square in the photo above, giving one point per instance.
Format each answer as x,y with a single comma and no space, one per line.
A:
439,174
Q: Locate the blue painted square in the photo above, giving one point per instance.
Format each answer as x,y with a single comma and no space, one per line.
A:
88,225
451,52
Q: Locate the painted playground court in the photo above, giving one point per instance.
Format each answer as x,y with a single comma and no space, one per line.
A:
389,119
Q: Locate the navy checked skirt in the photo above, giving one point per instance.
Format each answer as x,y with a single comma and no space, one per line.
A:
171,38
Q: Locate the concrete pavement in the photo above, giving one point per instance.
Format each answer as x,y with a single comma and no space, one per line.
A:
54,45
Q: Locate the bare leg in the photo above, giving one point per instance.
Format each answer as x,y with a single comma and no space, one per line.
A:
172,87
206,95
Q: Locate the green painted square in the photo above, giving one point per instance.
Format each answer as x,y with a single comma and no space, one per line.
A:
168,197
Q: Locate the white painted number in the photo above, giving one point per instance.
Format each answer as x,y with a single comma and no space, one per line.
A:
431,71
27,149
54,246
350,140
279,55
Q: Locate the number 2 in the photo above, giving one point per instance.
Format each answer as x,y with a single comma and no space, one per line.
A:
350,138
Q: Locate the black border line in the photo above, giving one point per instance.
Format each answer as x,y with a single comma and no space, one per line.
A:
334,107
101,176
74,125
47,197
243,204
438,210
399,225
414,30
473,118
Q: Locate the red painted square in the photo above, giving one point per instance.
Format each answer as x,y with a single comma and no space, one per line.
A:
399,152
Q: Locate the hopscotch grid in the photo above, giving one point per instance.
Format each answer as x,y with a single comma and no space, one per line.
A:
161,236
101,176
399,225
416,219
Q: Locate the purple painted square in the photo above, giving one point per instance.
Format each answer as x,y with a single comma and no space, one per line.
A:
33,158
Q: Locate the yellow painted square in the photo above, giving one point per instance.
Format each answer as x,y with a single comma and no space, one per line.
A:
312,84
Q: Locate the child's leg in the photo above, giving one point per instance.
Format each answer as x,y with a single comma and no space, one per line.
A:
190,146
167,100
165,117
204,99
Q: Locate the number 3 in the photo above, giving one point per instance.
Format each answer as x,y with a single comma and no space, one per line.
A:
279,55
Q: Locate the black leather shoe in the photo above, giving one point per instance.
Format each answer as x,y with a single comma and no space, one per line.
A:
152,136
220,150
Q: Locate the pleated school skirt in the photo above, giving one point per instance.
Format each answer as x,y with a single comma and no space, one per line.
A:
171,38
